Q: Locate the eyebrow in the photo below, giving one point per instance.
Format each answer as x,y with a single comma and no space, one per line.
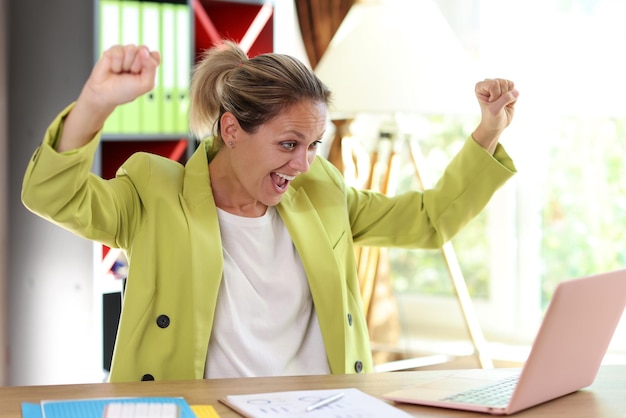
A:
294,132
300,135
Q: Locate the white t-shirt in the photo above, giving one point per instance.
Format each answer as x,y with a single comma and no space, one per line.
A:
265,322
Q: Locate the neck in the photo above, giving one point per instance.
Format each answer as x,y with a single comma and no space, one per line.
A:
225,191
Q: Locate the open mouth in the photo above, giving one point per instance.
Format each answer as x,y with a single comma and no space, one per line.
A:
281,180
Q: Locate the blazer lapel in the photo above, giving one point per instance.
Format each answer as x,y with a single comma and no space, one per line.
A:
316,251
206,249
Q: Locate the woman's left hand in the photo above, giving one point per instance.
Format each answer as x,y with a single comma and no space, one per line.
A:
497,98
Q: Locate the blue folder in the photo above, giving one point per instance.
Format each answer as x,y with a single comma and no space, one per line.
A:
92,408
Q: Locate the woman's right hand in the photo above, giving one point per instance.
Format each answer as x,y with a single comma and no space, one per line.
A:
121,75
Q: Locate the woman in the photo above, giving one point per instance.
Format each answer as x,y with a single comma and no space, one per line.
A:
241,262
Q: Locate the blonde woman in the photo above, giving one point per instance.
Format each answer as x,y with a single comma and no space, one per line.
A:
241,262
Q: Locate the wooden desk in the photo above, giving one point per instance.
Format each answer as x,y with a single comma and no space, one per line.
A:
605,398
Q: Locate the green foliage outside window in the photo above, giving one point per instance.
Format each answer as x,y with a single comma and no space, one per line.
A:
424,271
583,215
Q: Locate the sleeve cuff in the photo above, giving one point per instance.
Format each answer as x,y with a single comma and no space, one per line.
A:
55,130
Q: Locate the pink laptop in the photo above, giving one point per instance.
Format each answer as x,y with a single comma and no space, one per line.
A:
565,357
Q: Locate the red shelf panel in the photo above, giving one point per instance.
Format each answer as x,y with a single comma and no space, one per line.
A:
216,20
114,153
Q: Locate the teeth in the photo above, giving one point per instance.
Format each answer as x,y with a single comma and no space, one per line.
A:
286,177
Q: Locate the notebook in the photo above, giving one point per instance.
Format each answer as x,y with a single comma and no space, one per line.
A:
566,355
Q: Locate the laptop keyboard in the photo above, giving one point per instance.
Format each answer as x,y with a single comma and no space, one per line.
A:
493,394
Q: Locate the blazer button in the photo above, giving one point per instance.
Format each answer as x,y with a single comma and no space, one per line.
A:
163,321
147,377
350,319
358,366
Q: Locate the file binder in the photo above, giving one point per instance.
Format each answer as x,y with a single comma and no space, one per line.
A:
183,65
168,67
130,116
151,103
94,408
109,28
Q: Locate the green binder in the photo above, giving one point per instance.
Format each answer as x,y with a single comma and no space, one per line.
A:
151,103
168,67
183,65
130,20
108,35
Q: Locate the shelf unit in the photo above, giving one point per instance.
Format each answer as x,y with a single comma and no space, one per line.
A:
250,23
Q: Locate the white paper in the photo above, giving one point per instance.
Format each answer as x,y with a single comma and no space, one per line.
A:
354,404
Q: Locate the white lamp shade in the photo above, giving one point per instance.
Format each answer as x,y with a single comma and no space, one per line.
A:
397,56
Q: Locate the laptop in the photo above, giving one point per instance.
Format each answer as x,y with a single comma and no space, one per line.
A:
566,355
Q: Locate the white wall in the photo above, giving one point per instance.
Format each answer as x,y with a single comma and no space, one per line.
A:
50,275
3,192
287,36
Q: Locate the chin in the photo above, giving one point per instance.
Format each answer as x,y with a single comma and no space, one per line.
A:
271,203
271,200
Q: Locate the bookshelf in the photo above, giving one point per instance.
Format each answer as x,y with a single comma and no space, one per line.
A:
137,126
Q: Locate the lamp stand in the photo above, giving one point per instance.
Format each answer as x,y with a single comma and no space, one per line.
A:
456,275
335,155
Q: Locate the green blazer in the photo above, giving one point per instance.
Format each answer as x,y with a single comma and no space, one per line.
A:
163,215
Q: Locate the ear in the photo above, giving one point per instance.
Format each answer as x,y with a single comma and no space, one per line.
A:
229,127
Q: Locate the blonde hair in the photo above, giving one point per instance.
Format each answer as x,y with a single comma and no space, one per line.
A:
254,90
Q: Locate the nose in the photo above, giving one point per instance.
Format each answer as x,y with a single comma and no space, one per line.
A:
302,160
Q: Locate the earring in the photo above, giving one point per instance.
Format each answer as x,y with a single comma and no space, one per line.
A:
231,144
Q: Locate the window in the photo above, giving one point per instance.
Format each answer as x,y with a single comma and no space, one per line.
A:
564,213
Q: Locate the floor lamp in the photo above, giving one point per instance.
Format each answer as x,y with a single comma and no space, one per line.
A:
393,57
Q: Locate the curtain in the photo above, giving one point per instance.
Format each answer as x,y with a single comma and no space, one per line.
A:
319,20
